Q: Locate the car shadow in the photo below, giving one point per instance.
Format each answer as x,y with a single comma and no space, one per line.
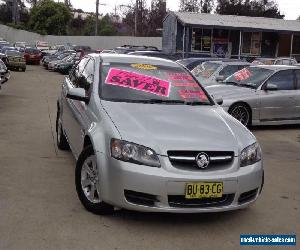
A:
275,127
180,218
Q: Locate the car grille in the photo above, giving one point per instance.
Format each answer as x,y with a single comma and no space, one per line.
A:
181,202
186,160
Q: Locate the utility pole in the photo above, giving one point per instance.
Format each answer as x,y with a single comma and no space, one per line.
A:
135,17
97,20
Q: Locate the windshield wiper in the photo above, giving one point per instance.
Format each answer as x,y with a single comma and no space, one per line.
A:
197,103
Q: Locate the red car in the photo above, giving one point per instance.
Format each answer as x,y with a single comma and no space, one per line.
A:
32,56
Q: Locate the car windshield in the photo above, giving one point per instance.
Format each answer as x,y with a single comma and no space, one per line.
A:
249,76
205,70
147,83
32,51
13,53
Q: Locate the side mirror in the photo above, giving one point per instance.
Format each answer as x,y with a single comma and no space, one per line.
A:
220,78
271,86
77,94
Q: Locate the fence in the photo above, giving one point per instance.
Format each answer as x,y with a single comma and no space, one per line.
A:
96,42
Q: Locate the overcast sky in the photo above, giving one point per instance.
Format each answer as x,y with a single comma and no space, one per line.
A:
291,8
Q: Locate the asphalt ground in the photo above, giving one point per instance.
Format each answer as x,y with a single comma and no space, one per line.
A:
39,208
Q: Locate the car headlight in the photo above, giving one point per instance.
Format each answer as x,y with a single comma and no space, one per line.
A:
131,152
250,155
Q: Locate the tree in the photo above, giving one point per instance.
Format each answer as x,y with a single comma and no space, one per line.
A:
49,18
142,19
203,6
6,11
156,16
257,8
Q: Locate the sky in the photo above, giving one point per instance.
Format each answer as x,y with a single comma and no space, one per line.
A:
291,8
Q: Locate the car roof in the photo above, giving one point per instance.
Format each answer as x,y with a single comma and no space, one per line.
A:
125,58
270,58
276,67
230,62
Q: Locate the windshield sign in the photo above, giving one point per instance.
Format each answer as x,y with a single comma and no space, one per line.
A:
127,82
250,76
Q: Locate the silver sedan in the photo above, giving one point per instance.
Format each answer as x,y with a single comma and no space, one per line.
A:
148,137
262,95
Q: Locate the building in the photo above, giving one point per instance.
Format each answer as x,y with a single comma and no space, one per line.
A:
199,34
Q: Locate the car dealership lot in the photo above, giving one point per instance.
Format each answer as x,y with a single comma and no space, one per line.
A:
39,207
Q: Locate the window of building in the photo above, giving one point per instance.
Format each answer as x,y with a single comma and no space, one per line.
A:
251,43
201,40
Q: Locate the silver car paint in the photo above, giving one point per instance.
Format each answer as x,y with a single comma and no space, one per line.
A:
161,127
268,107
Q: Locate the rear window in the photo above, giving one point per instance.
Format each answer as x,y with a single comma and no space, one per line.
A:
205,70
143,82
32,51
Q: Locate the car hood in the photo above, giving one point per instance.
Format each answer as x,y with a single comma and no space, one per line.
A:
178,127
230,91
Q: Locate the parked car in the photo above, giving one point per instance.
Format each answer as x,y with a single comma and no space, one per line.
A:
16,60
148,137
158,54
4,58
125,49
57,56
275,61
3,44
19,45
66,65
42,45
32,56
4,73
262,95
81,48
5,48
53,64
191,63
212,72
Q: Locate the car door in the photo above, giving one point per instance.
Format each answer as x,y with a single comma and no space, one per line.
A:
83,120
297,73
72,108
279,104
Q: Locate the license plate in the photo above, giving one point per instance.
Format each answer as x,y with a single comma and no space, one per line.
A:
203,190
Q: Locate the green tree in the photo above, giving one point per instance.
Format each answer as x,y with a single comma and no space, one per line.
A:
156,16
203,6
106,27
257,8
50,18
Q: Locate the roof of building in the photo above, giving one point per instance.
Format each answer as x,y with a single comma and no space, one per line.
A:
230,21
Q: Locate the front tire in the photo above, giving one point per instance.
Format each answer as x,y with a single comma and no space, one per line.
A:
242,113
61,140
87,181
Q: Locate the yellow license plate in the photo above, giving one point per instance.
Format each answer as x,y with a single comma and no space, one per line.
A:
203,190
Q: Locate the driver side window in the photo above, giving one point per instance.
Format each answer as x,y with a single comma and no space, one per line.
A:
284,80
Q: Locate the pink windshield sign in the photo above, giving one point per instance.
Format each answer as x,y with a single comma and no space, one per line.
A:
137,81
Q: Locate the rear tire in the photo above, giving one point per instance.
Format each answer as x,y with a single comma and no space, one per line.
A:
87,181
242,113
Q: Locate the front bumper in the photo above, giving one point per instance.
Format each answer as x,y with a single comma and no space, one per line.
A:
166,186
